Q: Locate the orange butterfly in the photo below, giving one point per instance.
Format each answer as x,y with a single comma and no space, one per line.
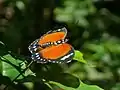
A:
52,47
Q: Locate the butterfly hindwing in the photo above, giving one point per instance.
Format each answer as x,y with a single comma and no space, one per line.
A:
38,58
62,53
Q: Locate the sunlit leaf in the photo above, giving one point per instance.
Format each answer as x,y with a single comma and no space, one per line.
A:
29,85
82,86
79,57
20,5
88,87
1,43
11,67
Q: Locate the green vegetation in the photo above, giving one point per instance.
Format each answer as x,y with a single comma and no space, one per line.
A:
92,30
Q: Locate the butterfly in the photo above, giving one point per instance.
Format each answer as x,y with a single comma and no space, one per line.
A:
52,47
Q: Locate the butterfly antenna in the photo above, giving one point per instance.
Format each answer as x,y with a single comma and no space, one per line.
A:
20,73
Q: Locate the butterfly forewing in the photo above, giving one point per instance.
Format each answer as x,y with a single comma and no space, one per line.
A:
53,36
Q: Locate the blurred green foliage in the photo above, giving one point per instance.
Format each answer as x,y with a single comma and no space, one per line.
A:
12,66
93,31
75,12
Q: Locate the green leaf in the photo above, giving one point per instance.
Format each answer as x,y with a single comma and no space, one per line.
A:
88,87
20,5
67,80
79,57
1,43
12,67
61,86
29,85
82,86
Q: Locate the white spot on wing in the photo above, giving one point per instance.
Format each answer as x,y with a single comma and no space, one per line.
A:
41,59
35,49
53,61
59,41
36,53
38,58
59,30
68,61
55,43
